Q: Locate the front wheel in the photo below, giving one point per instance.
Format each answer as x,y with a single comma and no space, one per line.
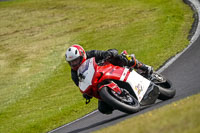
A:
123,102
166,89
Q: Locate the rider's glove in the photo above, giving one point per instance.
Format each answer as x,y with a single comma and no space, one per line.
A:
87,97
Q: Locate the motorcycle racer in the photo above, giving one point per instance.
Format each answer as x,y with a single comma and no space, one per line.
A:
75,55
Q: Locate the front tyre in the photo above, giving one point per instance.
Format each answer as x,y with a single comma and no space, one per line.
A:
123,102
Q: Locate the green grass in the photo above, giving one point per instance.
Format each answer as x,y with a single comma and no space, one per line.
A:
179,117
36,91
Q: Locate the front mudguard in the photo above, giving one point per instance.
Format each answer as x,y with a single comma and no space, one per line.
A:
113,86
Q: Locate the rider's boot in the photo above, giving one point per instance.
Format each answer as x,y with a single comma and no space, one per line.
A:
146,69
134,63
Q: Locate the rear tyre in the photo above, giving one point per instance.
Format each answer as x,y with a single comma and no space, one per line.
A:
166,91
165,86
123,102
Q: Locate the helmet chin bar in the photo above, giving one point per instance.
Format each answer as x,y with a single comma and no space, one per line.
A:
76,66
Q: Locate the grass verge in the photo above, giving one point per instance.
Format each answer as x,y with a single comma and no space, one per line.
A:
178,117
36,91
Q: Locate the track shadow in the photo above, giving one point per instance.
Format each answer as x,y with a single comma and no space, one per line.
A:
97,124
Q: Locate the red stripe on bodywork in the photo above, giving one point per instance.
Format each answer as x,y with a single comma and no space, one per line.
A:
126,76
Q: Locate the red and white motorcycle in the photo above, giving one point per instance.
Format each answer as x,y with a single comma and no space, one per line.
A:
122,88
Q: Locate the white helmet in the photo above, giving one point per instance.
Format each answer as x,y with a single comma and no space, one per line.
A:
75,56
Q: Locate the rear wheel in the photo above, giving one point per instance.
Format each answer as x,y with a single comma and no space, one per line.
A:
123,102
165,86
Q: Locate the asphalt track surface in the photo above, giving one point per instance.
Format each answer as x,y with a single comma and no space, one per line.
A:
184,73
